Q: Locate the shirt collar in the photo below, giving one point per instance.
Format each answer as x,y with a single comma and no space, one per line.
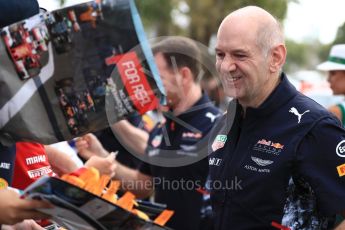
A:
278,98
201,104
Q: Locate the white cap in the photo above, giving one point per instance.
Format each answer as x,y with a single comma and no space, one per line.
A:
336,59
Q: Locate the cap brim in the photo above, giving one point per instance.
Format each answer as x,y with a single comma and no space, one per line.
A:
328,66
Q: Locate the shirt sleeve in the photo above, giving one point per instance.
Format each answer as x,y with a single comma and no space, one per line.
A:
7,161
145,168
321,161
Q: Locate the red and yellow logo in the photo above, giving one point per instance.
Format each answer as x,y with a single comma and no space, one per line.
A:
3,183
277,145
341,170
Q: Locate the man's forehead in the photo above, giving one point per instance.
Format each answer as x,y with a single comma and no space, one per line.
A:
238,25
234,43
233,49
159,58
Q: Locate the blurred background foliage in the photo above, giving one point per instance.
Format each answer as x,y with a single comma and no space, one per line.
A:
199,20
203,17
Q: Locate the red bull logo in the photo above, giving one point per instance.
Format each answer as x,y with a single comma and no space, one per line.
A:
270,143
264,142
267,146
277,145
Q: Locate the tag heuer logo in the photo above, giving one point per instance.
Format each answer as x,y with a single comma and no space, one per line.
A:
219,142
221,138
157,141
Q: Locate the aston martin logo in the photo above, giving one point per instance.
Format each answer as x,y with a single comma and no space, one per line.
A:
261,162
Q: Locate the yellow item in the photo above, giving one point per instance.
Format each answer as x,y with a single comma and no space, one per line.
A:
163,217
110,194
141,214
126,201
73,180
3,183
99,187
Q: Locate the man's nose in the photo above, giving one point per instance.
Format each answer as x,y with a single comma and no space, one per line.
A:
227,65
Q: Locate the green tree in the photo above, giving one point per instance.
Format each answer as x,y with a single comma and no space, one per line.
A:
206,15
324,50
340,37
302,55
157,14
296,56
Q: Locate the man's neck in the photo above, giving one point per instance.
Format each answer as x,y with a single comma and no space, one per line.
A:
259,99
188,100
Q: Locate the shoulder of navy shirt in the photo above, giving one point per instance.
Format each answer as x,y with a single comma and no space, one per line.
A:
202,116
186,203
7,162
288,136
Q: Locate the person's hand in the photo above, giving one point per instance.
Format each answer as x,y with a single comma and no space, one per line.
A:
88,145
25,225
105,165
15,210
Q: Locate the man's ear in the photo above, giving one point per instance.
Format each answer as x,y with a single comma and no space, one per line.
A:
186,74
278,57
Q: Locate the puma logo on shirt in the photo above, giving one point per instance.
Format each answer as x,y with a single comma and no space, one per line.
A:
294,111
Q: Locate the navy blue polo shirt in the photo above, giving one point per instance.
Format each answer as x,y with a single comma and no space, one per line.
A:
280,164
16,10
7,162
183,139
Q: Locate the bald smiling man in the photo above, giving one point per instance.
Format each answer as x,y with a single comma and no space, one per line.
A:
283,151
